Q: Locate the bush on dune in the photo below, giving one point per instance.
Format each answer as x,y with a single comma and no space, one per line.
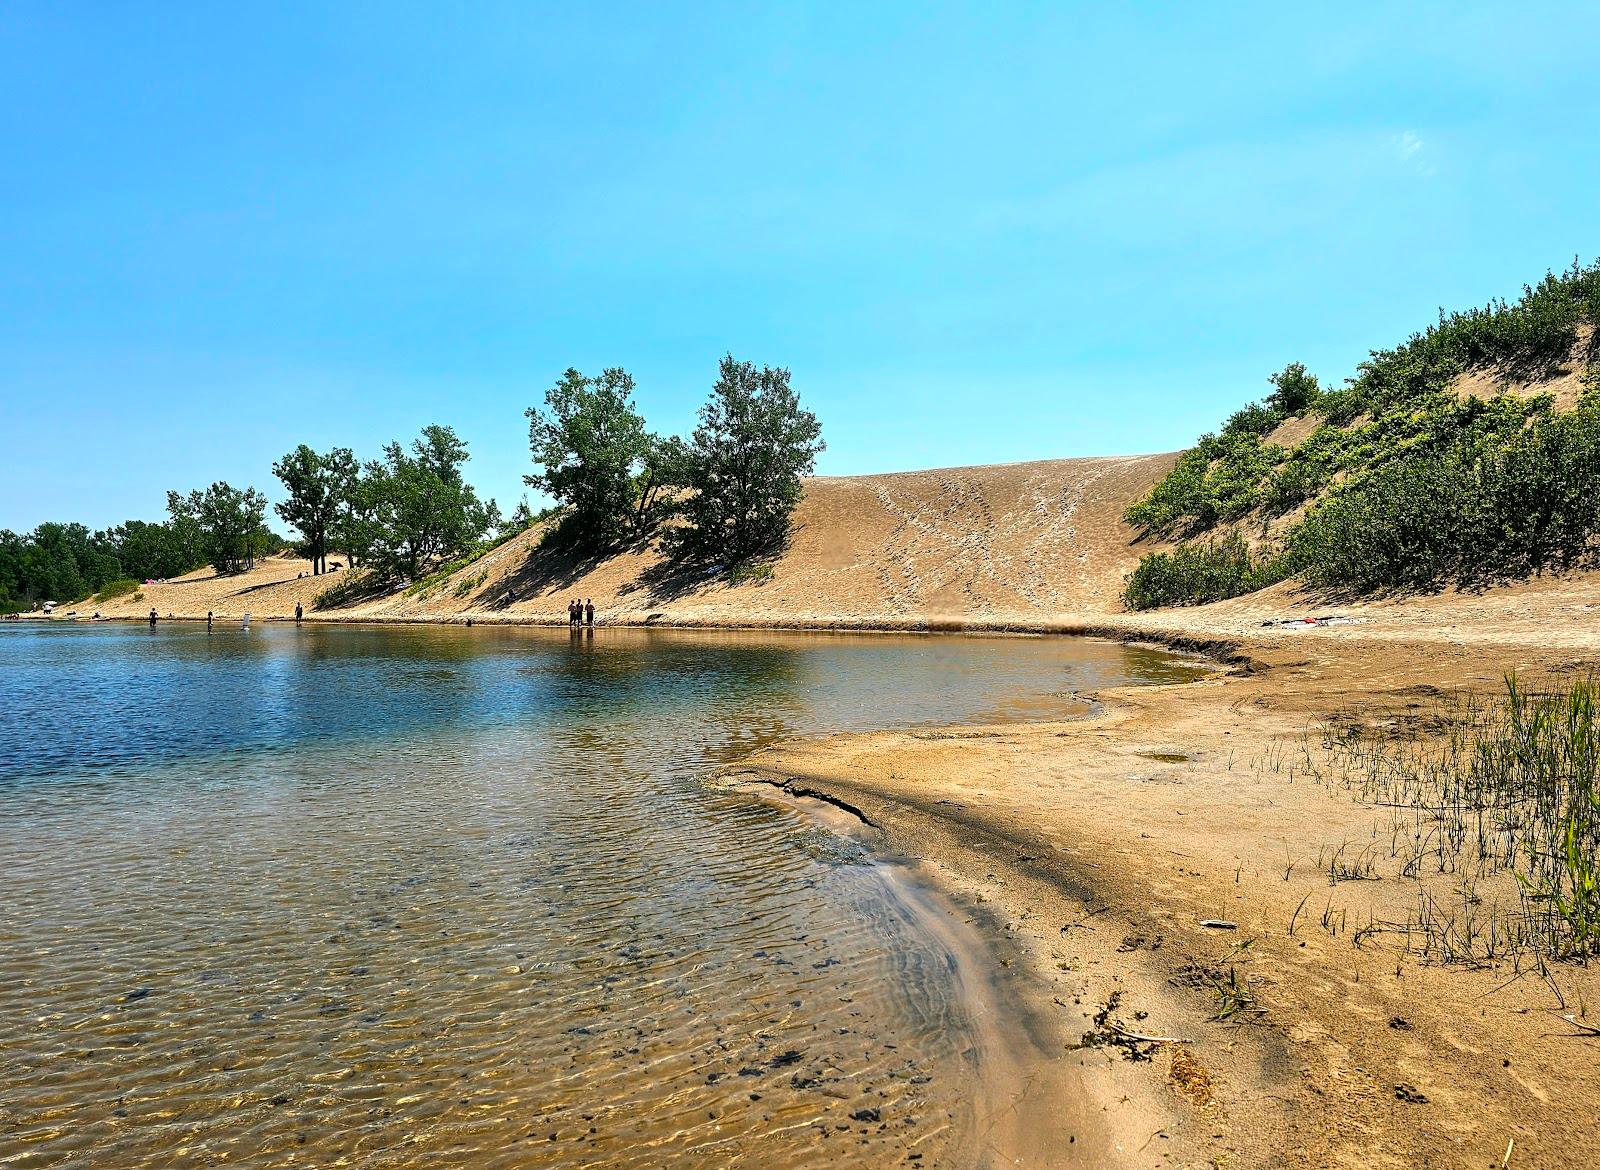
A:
1411,486
1192,574
115,589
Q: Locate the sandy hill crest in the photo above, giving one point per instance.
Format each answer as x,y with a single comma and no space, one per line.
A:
1023,542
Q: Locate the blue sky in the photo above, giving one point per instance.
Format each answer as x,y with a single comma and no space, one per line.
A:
975,233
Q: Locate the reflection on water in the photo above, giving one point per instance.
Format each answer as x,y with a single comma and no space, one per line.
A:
407,896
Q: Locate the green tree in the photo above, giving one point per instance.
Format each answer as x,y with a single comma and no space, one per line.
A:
520,520
590,442
357,527
317,487
156,551
1294,391
414,509
230,521
667,463
67,562
746,461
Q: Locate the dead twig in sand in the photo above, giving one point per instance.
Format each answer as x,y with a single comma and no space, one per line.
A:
1142,1038
1583,1028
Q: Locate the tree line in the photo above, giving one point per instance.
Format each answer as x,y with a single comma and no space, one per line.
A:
219,525
723,495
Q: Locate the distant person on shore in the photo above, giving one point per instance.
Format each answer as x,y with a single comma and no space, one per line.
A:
574,612
210,620
152,619
297,613
588,611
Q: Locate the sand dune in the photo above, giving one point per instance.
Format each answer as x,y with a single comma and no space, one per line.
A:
1017,544
1024,546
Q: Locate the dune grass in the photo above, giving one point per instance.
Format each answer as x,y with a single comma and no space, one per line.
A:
1480,787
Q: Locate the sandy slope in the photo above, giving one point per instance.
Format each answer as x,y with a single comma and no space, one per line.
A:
1019,543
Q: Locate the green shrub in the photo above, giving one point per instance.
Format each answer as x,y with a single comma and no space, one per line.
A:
1193,574
748,573
113,589
437,579
1294,391
1484,505
1401,390
1256,419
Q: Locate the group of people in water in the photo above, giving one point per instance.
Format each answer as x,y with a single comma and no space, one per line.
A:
210,618
580,613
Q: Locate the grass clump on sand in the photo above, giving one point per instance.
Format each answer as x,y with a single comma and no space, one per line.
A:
1402,484
114,589
436,580
353,587
746,573
1481,788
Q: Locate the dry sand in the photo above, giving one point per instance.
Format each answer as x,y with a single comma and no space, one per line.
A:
1098,846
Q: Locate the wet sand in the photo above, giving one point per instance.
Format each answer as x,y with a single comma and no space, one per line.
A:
1097,848
1029,1108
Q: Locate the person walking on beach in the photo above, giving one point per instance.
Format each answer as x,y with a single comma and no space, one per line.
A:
588,610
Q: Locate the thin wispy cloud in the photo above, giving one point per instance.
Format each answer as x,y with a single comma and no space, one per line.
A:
1410,147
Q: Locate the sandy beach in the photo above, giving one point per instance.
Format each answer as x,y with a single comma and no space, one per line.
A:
1311,1030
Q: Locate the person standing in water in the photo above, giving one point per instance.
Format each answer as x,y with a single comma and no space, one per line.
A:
210,618
297,613
588,611
152,619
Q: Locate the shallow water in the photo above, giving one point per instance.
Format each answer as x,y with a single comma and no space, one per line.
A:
415,896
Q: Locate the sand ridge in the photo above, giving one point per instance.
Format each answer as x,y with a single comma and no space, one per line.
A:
1020,544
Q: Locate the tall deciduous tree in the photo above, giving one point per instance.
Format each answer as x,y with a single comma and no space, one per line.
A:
231,523
414,509
746,461
318,486
590,442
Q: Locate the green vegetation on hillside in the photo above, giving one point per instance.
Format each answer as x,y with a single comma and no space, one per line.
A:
411,517
1402,484
732,486
68,562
